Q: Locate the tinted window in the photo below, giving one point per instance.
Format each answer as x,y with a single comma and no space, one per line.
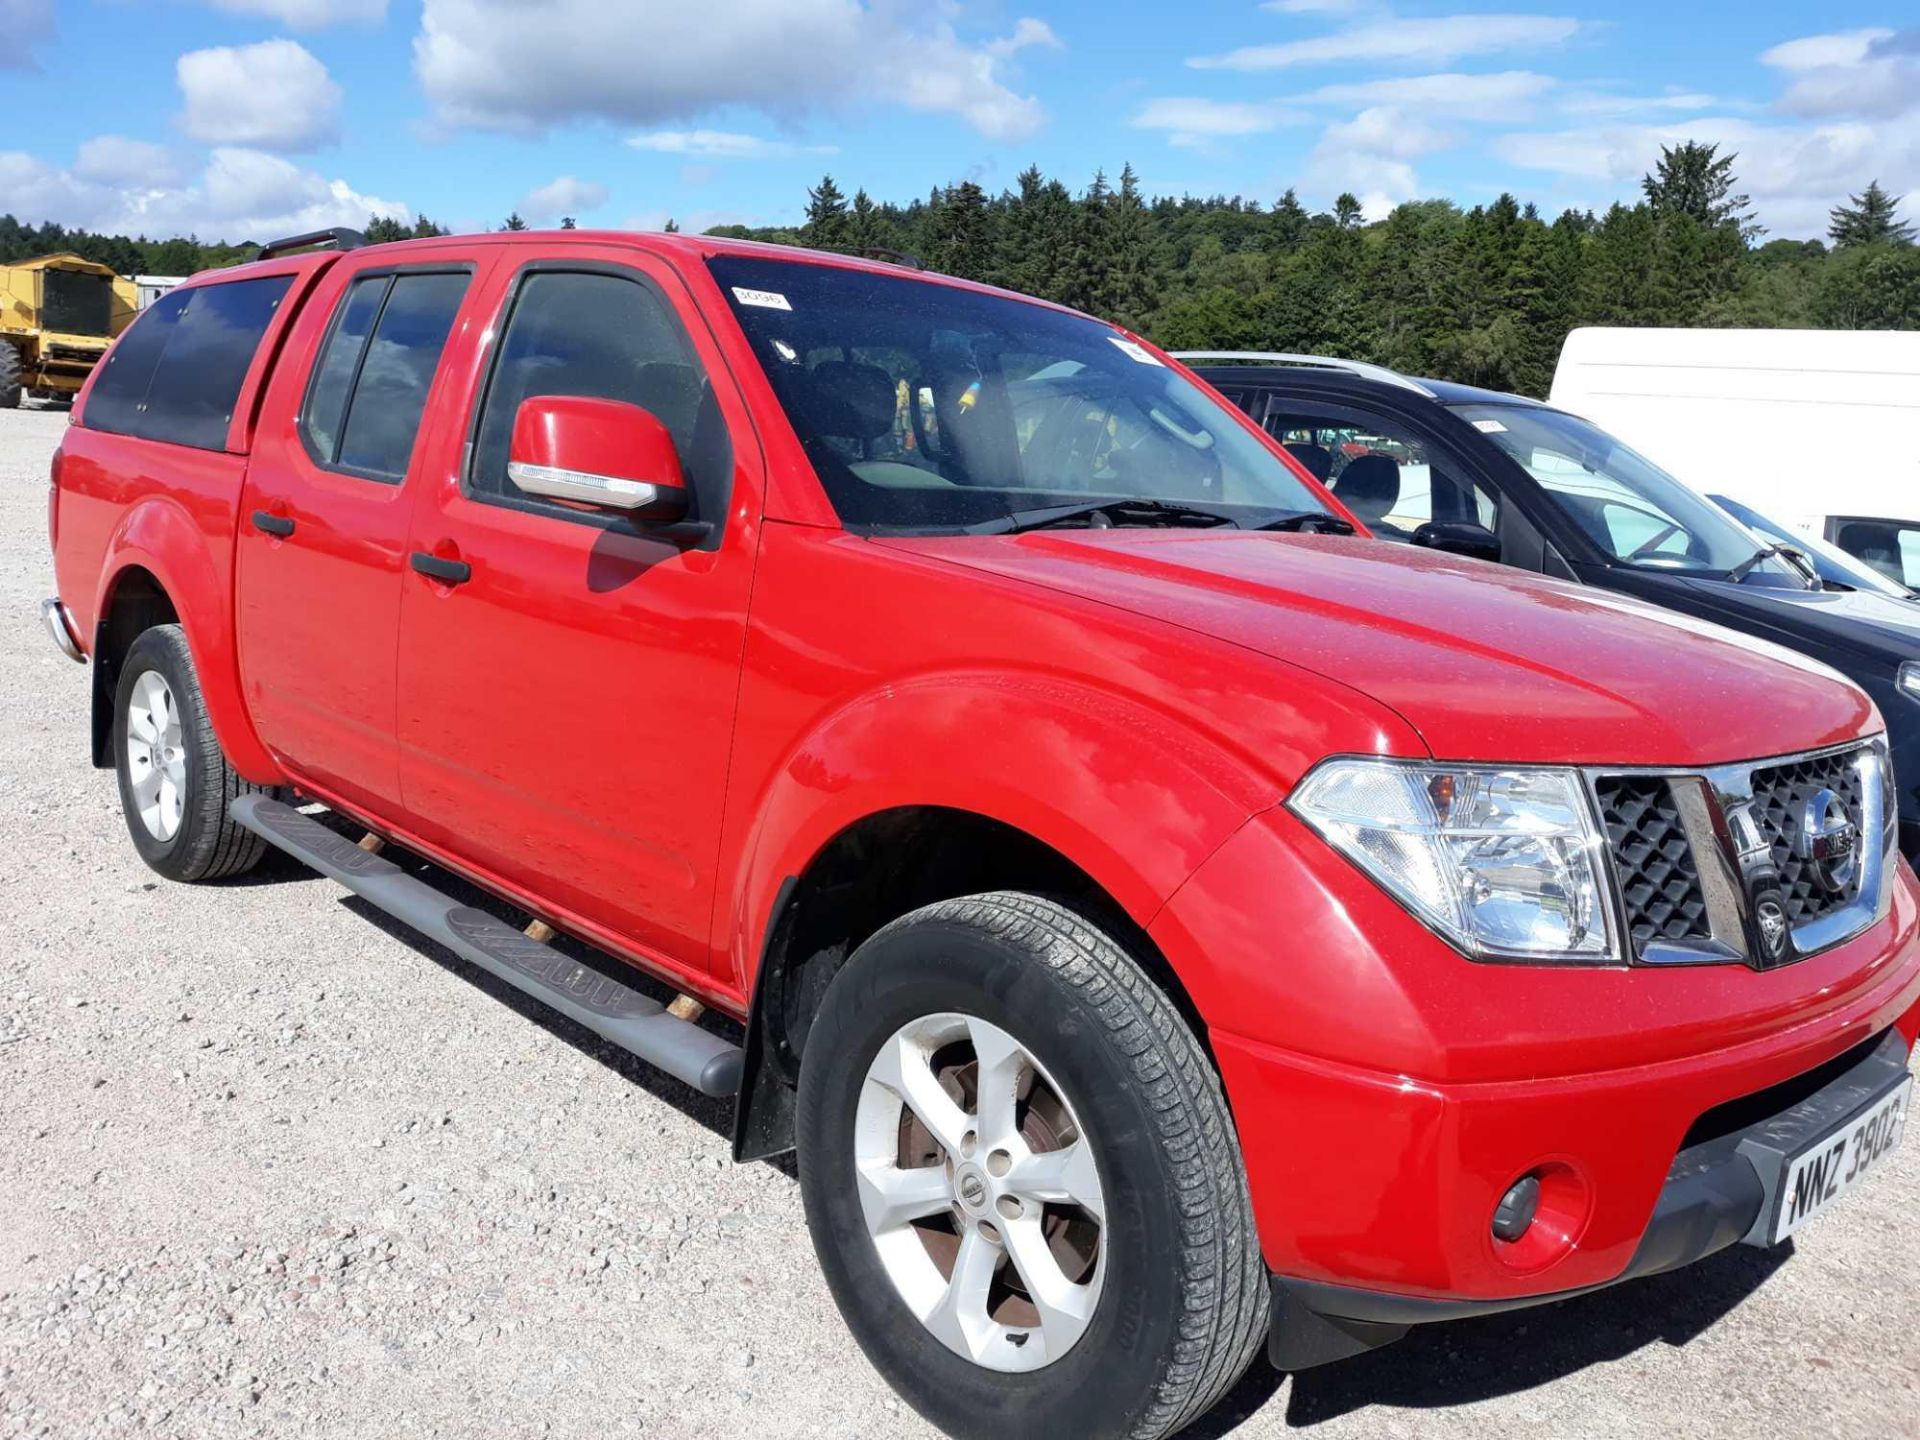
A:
383,415
610,338
370,385
177,373
339,361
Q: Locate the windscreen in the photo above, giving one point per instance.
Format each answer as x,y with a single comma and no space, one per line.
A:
1632,509
924,406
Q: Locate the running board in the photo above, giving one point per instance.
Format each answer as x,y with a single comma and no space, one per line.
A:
637,1024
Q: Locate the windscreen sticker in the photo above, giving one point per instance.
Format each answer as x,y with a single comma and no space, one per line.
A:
1489,427
765,299
1132,351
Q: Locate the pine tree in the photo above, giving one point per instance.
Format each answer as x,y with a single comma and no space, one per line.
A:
1695,180
1129,288
1870,218
863,222
1346,211
514,222
567,222
826,222
960,243
672,227
380,230
1288,225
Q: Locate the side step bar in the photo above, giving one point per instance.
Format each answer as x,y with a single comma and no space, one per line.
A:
634,1022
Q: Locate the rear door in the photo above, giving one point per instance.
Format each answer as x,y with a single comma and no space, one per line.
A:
567,708
323,525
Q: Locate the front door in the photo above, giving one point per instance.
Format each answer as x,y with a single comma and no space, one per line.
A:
323,523
567,703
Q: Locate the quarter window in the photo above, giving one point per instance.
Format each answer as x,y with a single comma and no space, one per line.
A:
176,374
369,388
608,337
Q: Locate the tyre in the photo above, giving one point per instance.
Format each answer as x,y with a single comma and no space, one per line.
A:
175,783
10,390
1022,1180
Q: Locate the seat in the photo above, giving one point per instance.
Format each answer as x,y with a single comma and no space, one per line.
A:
1369,487
1875,542
849,401
1317,459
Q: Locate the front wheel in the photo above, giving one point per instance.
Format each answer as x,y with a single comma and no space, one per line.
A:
1022,1181
175,782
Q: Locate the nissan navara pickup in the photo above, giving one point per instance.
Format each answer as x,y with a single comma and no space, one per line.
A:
1164,921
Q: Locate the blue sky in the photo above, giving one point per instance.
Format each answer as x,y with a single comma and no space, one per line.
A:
234,118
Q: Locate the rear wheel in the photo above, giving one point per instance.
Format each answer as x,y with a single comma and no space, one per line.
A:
1022,1181
175,782
10,389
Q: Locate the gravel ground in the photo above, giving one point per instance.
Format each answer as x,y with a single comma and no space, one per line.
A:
267,1167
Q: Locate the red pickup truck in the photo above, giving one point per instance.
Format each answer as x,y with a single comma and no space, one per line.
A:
1163,918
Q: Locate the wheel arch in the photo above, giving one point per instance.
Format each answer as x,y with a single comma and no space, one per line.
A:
886,864
158,570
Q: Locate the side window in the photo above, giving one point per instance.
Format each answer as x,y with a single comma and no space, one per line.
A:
1382,473
176,374
369,386
609,337
1890,546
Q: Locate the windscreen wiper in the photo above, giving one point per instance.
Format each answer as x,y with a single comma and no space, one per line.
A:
1101,514
1745,567
1142,510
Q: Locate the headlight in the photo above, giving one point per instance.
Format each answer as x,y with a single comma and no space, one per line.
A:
1506,864
1908,679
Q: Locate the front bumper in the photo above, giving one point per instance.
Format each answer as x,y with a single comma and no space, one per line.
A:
1719,1191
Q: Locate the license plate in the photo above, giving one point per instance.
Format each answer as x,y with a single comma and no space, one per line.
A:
1821,1174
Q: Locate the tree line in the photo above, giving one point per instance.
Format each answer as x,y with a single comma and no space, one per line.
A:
1482,295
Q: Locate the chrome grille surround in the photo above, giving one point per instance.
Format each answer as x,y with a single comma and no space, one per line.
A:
1692,869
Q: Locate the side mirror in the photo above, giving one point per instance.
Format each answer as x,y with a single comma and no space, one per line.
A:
1476,542
601,453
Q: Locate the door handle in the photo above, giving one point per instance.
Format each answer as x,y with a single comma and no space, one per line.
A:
452,572
266,520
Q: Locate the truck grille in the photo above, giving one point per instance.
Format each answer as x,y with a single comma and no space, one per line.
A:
1652,860
1779,793
1692,854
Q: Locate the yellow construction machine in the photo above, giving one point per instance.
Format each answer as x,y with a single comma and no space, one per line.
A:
58,314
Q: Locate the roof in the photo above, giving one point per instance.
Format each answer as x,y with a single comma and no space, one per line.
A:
696,248
64,262
1325,381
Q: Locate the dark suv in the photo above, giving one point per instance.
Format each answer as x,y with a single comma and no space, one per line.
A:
1499,477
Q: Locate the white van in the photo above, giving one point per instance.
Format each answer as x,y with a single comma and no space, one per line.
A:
1817,429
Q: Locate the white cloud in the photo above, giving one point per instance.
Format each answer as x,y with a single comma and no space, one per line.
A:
1601,106
1794,174
1196,122
1475,94
270,96
1372,155
562,196
1028,34
523,65
23,24
240,195
307,14
1402,41
722,145
1858,72
1859,94
116,160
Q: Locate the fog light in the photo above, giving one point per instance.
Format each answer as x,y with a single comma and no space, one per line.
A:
1513,1216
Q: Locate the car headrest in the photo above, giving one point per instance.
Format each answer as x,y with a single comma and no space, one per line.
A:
1369,486
850,401
1871,540
1317,459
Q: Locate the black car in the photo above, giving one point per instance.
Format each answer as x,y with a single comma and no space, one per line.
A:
1499,477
